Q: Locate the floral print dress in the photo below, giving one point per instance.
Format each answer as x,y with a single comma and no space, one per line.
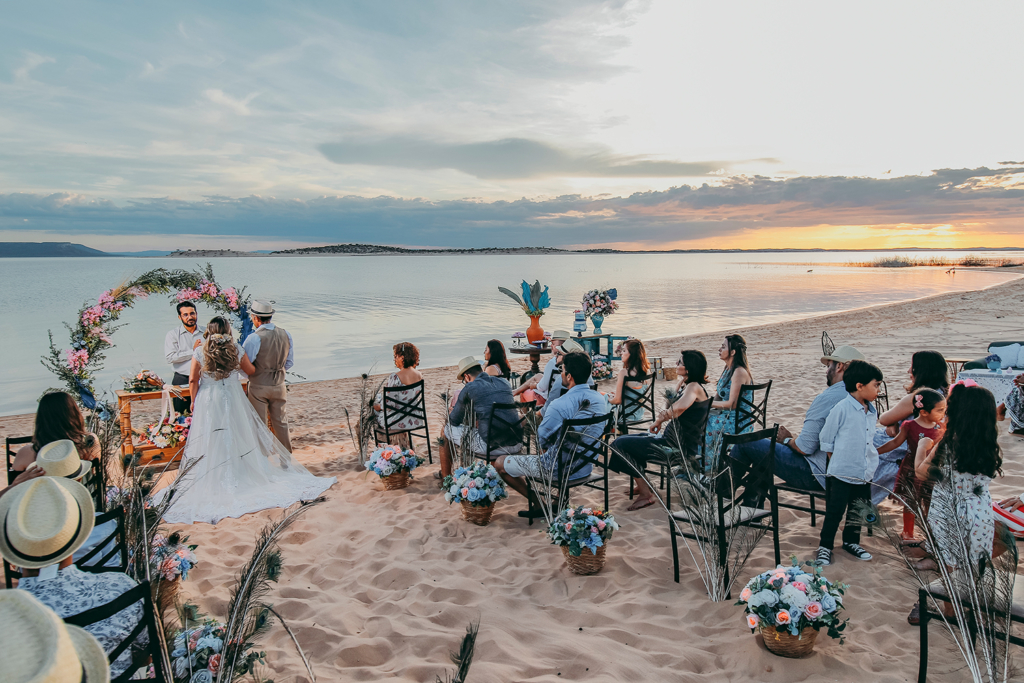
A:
961,511
721,422
406,422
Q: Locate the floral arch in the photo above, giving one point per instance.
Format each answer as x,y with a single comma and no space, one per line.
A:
90,335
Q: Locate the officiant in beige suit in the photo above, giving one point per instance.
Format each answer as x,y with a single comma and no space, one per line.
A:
272,352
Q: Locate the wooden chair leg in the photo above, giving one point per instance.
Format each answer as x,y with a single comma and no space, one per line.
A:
922,666
631,488
675,550
814,511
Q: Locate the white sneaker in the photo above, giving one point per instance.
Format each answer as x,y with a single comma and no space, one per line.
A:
857,551
824,558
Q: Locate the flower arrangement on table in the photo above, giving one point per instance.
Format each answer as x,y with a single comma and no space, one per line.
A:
600,302
519,337
393,464
197,654
172,431
582,527
994,361
792,599
533,301
602,368
478,485
146,380
172,556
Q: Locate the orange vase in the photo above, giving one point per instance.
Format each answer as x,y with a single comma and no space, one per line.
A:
534,332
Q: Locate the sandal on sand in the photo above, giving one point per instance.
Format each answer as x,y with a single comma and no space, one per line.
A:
637,505
914,618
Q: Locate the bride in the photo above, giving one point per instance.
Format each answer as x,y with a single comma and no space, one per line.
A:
241,466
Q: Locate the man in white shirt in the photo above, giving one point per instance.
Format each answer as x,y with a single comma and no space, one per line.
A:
178,346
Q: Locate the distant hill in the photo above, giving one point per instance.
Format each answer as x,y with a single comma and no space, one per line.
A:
46,250
381,249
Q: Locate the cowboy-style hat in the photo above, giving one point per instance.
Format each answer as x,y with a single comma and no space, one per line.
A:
261,307
560,334
44,520
844,354
465,364
61,459
571,346
36,646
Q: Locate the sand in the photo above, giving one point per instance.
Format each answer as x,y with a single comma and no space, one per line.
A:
382,584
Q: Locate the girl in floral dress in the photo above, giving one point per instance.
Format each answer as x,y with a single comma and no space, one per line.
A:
723,409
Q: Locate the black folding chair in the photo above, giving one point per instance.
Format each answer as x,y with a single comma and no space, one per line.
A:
396,409
882,400
114,545
751,412
937,591
11,452
729,511
578,448
142,654
497,423
632,399
95,482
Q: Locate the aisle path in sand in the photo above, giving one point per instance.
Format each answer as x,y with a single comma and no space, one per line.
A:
381,584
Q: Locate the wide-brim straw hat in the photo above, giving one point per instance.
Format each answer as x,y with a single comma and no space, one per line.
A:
465,364
36,646
560,334
44,520
261,307
572,346
61,459
844,354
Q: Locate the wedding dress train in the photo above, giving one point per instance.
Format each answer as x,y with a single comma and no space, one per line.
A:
241,466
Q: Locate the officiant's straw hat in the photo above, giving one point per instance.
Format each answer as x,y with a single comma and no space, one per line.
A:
44,520
560,334
571,346
61,459
36,646
464,365
261,307
844,354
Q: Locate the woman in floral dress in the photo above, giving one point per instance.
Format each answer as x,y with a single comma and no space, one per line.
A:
723,409
407,357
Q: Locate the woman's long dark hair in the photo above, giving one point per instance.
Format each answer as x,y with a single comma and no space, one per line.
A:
971,438
637,363
738,344
57,418
696,365
929,369
498,357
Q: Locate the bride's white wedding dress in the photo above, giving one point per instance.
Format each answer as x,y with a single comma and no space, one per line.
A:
241,466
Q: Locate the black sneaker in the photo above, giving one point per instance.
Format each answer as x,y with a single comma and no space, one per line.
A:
824,558
857,551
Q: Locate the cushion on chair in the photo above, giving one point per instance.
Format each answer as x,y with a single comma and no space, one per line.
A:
936,589
734,516
1008,354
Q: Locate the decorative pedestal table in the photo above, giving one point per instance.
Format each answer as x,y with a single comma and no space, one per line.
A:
535,354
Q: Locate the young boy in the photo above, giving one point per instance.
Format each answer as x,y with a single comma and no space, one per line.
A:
847,439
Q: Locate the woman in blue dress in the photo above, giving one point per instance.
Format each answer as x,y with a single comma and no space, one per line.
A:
727,394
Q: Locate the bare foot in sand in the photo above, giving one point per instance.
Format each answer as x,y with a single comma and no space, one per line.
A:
641,503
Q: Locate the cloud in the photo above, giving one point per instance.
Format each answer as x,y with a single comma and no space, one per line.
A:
31,61
240,107
507,159
966,197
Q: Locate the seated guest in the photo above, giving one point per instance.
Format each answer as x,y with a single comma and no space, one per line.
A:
727,394
537,386
627,388
799,461
483,391
1013,406
496,360
557,387
928,370
45,521
684,417
36,646
579,401
407,357
57,418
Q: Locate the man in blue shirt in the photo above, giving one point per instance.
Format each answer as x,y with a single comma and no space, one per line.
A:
800,461
578,402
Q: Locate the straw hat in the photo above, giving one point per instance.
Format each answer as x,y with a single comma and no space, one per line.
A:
465,364
844,354
37,647
572,346
261,307
61,459
44,521
560,334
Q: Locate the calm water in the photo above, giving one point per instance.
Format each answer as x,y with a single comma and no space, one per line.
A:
345,312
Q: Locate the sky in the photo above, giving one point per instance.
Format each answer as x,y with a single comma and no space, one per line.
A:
653,124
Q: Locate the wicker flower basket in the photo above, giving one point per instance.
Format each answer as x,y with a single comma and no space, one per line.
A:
785,644
398,480
587,562
477,514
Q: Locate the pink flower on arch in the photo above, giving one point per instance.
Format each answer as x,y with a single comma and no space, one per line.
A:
77,359
188,294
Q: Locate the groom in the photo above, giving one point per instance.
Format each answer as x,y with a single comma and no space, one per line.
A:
271,351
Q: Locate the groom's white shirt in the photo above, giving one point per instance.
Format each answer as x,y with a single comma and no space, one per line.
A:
178,347
252,346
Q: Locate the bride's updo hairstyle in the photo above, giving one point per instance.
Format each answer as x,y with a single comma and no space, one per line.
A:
220,356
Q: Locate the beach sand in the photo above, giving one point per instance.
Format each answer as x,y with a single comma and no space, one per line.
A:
382,584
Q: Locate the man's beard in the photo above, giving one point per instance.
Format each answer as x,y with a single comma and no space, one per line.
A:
830,376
